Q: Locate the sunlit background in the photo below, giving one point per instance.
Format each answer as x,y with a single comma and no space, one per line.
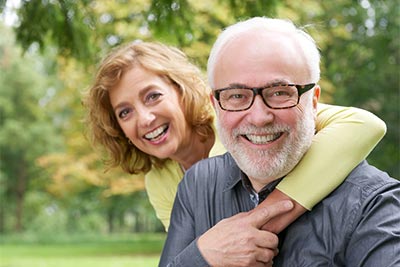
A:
58,205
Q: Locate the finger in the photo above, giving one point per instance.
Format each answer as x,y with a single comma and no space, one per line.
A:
261,215
280,222
276,251
267,240
265,255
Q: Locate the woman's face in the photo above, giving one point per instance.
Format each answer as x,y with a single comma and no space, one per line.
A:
149,111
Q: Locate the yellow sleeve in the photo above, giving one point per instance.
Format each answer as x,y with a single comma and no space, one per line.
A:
162,183
161,186
345,136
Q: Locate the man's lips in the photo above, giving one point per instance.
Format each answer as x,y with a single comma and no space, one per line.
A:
262,139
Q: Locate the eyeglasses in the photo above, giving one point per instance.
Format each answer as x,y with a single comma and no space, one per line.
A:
276,96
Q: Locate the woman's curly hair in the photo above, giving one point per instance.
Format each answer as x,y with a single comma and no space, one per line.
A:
169,63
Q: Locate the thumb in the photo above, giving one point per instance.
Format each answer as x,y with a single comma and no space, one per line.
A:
261,214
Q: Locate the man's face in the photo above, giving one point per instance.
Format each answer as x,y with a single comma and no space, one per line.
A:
266,143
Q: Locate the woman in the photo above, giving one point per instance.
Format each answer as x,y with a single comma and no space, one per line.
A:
149,108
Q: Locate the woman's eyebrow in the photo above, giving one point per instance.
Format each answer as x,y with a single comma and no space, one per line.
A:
120,105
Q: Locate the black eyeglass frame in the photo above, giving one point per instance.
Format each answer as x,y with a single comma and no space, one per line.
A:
301,89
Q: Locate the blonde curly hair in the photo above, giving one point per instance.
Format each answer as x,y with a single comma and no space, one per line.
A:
169,63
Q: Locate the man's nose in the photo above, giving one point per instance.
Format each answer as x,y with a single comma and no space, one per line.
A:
259,113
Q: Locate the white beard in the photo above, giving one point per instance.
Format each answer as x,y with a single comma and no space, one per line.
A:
266,165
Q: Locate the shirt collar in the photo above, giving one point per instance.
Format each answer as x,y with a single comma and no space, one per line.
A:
235,176
266,189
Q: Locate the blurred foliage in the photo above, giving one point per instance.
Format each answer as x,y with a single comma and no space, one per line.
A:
26,131
40,103
65,23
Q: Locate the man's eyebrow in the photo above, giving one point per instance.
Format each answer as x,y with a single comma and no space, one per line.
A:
268,84
237,85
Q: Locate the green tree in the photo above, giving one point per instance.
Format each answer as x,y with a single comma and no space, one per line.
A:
83,28
26,130
361,62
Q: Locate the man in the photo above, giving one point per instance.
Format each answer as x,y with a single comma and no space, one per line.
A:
264,75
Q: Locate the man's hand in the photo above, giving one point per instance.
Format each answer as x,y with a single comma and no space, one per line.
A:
238,240
280,222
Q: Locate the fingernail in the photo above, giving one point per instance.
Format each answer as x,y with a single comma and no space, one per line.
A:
288,204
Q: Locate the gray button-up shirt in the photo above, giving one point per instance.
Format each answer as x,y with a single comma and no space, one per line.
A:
356,225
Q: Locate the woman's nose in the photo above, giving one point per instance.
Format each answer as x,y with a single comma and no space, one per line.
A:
146,117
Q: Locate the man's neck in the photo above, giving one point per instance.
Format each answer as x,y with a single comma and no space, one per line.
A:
259,185
258,196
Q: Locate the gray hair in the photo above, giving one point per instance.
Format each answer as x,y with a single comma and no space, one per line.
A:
306,42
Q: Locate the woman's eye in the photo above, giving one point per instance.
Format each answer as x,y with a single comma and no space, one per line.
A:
123,113
153,96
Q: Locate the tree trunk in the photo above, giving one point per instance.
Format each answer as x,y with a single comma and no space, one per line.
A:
20,196
110,220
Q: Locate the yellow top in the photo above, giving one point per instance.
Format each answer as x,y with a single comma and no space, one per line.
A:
345,136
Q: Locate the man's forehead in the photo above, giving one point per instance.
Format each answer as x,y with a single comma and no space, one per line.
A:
273,55
263,45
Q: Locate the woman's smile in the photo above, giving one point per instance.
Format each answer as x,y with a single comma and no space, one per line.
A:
157,134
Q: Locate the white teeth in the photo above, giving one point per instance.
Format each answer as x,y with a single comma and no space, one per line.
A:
156,132
262,139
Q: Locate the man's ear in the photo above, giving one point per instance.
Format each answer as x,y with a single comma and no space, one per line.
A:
317,93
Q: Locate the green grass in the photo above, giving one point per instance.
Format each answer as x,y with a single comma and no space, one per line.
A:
78,251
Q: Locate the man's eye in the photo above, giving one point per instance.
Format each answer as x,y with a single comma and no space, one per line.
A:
281,93
237,96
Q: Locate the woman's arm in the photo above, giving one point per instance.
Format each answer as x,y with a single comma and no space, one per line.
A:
345,136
